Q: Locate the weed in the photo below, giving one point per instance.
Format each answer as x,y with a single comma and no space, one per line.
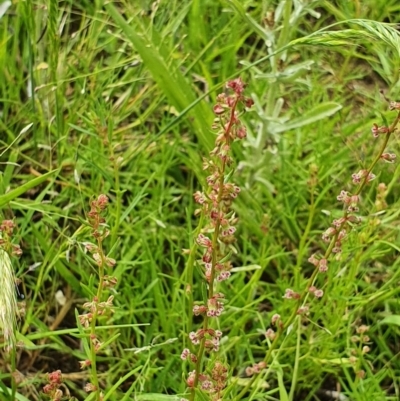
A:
100,97
216,237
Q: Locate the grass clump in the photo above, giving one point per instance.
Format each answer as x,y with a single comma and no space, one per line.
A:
116,98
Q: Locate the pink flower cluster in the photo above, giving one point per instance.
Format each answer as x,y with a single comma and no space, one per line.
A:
213,383
210,336
52,389
362,174
322,263
256,368
95,218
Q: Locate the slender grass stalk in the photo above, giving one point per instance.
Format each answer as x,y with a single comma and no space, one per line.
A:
118,193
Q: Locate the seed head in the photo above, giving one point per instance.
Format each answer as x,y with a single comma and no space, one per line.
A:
8,300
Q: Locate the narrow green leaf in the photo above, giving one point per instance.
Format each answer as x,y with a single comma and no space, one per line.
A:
4,6
9,196
120,381
109,341
55,260
167,75
156,397
283,395
252,24
8,171
320,112
18,396
393,319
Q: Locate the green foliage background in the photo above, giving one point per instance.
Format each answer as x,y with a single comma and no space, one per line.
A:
116,98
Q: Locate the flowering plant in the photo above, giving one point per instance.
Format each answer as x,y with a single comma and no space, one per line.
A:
216,239
334,236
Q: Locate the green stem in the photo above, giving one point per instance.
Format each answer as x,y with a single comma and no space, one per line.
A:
296,362
190,273
303,240
13,370
118,202
94,376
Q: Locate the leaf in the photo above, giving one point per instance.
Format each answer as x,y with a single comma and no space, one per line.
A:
25,340
112,390
320,112
3,7
283,395
26,129
393,319
156,397
9,196
18,396
246,268
166,73
251,23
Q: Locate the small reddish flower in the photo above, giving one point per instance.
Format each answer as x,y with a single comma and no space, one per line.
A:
330,232
303,310
191,379
185,354
215,307
343,197
218,109
237,85
199,309
290,294
323,265
270,334
89,387
102,201
313,260
275,318
378,130
362,329
84,364
249,371
241,132
248,102
389,157
204,241
394,106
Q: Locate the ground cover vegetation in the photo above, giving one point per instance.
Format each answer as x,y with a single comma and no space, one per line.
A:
135,264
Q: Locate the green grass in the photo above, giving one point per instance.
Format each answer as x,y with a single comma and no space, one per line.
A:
117,99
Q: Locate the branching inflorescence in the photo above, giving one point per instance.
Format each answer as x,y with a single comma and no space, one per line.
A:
97,307
216,239
334,236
